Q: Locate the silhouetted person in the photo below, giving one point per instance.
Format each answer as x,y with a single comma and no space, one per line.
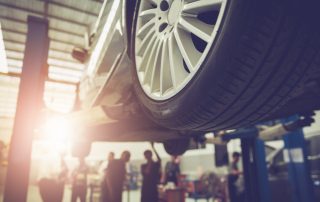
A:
110,157
62,177
172,171
234,177
79,182
151,174
103,171
52,180
115,177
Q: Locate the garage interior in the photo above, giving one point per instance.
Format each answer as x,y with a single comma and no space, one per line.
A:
67,95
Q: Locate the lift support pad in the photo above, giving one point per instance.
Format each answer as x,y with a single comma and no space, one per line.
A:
30,102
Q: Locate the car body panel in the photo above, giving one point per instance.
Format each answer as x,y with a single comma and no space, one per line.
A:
108,68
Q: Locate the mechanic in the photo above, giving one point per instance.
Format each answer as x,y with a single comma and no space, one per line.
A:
79,182
52,177
151,176
103,171
115,177
172,171
104,164
233,178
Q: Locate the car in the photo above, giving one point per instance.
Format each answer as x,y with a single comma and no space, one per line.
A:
278,171
186,67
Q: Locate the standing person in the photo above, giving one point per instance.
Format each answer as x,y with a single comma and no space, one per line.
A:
103,171
79,182
233,177
172,170
52,177
151,174
104,165
62,177
115,177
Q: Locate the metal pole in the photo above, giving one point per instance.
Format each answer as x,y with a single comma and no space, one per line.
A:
255,170
295,155
251,192
29,103
261,171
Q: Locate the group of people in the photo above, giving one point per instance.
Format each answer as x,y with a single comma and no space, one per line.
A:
114,178
54,176
114,173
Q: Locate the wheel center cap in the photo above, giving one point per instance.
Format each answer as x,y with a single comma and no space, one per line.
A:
174,11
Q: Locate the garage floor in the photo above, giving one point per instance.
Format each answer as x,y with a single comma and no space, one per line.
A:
34,196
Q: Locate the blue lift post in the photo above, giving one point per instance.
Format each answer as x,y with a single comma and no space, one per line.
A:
298,167
30,102
254,165
255,170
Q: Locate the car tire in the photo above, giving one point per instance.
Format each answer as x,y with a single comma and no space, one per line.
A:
176,147
262,54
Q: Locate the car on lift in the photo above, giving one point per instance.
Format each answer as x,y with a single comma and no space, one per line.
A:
278,170
180,68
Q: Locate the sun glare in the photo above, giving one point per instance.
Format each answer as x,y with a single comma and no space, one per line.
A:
57,133
57,129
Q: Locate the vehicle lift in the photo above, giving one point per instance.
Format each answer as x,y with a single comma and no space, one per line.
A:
29,104
254,158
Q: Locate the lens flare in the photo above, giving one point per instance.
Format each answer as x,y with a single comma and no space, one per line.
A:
57,133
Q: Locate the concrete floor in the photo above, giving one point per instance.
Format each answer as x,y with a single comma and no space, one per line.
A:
33,196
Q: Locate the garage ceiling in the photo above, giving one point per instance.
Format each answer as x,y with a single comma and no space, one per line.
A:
69,20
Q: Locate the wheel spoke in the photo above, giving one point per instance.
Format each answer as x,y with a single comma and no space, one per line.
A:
202,6
155,75
189,53
151,63
144,42
178,73
148,4
172,62
198,28
147,54
145,27
149,12
166,80
154,2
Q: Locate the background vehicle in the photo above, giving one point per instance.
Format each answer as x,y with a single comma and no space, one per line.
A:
202,65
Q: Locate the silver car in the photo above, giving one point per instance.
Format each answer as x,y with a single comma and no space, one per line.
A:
168,69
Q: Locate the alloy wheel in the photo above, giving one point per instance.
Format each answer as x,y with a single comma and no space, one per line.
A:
172,40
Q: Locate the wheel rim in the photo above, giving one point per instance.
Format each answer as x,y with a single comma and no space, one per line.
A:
172,40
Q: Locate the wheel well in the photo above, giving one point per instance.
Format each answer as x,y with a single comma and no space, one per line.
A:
130,8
